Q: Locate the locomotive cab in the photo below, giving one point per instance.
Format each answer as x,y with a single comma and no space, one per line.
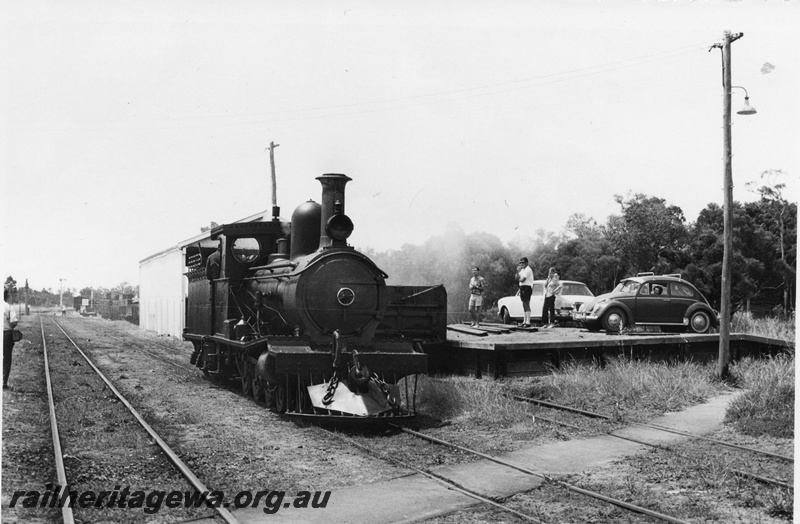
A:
218,266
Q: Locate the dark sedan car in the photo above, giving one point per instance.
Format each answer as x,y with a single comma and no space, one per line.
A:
667,301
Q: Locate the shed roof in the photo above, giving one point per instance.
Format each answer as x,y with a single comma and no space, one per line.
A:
202,238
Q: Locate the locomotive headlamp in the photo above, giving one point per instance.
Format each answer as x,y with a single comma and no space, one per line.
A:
339,227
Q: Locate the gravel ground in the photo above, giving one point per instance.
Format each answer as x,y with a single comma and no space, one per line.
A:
231,443
234,444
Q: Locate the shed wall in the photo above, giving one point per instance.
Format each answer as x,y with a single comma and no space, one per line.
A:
162,293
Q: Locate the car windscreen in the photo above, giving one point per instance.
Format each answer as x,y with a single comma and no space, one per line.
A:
627,287
576,289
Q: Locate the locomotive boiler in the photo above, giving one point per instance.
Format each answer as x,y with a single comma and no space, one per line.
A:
304,321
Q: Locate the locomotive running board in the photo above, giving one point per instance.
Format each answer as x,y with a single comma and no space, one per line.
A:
372,403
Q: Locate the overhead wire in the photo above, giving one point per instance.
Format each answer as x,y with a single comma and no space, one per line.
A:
404,102
460,94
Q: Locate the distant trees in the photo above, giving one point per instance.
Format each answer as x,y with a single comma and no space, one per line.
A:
776,220
448,259
122,288
43,298
646,235
49,298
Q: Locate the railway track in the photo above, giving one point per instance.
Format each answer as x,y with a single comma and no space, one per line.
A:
453,485
658,427
108,327
64,481
162,357
425,471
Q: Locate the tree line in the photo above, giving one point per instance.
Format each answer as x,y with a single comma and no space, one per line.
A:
646,235
45,298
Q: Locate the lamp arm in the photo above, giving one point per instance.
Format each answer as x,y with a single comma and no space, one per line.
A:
740,87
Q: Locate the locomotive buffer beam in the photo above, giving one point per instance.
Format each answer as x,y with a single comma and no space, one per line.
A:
373,402
304,360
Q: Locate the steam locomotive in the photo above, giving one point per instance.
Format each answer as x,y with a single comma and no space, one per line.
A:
304,321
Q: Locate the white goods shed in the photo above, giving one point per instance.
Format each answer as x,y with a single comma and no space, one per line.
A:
163,286
162,289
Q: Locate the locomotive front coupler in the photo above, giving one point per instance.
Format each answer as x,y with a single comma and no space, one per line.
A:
358,376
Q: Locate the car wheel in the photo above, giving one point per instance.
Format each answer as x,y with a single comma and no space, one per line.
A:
699,322
614,319
506,316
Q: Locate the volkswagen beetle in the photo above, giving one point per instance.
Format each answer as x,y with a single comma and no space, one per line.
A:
667,301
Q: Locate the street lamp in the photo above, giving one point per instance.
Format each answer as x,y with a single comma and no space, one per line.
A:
747,109
727,255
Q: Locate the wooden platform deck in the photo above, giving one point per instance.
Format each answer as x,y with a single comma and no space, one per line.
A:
505,351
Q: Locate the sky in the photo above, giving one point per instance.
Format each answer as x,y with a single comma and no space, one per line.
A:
128,125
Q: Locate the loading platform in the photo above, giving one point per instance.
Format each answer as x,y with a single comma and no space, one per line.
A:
500,350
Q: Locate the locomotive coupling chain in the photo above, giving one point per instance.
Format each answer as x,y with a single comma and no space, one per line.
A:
385,389
332,385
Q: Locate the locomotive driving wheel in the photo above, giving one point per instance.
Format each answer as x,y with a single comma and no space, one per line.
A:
245,374
269,396
281,400
257,386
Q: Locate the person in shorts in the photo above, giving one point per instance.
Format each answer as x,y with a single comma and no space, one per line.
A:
525,279
476,287
552,288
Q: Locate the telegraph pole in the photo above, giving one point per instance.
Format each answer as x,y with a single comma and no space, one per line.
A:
61,294
276,211
723,370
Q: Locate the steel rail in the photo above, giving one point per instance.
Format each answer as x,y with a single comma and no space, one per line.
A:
139,337
622,504
652,426
61,473
449,484
226,515
144,350
157,356
759,478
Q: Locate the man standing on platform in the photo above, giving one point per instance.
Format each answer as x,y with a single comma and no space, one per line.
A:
476,286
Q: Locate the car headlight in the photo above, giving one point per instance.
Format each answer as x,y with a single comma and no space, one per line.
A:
599,307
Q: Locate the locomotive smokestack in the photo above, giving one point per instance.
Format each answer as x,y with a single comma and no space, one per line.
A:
335,227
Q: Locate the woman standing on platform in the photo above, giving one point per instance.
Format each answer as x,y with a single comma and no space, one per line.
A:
525,279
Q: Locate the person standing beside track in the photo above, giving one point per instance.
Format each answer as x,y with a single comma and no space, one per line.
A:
9,323
525,279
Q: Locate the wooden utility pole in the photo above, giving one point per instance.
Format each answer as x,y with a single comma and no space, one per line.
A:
61,294
275,209
723,370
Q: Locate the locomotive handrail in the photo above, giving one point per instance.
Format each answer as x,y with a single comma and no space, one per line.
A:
324,254
276,266
423,291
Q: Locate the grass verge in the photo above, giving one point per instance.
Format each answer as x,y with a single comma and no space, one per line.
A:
766,407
